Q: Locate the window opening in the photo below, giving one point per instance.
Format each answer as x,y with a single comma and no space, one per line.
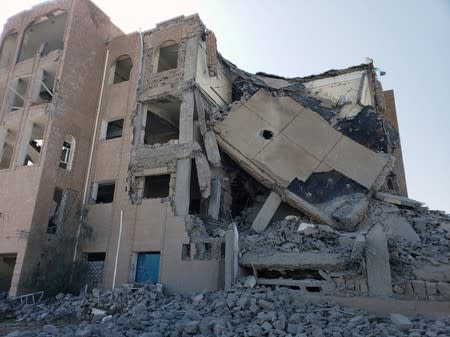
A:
44,35
168,56
114,129
156,186
105,193
17,91
162,121
122,69
34,145
54,211
8,49
67,153
8,139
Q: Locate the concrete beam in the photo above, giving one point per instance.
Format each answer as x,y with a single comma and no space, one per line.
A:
266,213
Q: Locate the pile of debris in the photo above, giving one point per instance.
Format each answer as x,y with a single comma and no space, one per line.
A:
259,311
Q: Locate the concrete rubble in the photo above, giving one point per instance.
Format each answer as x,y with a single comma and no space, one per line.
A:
243,311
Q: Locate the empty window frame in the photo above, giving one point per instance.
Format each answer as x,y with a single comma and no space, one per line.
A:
8,139
111,129
54,214
44,35
162,121
32,148
168,56
103,193
67,153
42,91
7,264
156,186
8,49
17,91
120,71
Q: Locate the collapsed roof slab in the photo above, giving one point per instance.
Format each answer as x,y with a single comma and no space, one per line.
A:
279,138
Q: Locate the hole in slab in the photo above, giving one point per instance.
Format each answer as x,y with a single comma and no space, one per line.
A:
313,289
266,134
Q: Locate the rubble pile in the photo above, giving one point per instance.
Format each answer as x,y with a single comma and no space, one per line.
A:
147,312
285,236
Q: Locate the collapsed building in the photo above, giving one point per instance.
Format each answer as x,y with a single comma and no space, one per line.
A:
149,157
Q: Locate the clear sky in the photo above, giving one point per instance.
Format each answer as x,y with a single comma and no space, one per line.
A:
408,39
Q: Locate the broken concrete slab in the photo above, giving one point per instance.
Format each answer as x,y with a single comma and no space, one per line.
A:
377,263
429,272
266,213
294,261
351,213
398,200
276,83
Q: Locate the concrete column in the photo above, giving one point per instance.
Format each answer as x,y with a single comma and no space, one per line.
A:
377,263
214,199
266,212
231,256
182,186
190,63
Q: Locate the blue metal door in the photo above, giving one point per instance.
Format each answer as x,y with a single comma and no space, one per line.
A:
147,268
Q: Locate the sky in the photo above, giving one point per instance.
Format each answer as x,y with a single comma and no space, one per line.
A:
408,39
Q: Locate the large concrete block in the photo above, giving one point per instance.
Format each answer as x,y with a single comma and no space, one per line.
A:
266,212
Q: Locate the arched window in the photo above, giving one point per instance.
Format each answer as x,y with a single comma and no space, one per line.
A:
168,56
121,69
44,35
67,152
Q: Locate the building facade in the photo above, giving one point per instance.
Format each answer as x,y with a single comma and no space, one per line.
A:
109,157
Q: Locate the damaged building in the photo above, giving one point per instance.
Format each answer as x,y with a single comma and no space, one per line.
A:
149,157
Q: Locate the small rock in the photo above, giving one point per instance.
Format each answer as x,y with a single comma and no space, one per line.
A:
51,329
250,282
191,327
402,322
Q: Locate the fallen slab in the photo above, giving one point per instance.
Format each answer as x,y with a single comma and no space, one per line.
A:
398,200
282,261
